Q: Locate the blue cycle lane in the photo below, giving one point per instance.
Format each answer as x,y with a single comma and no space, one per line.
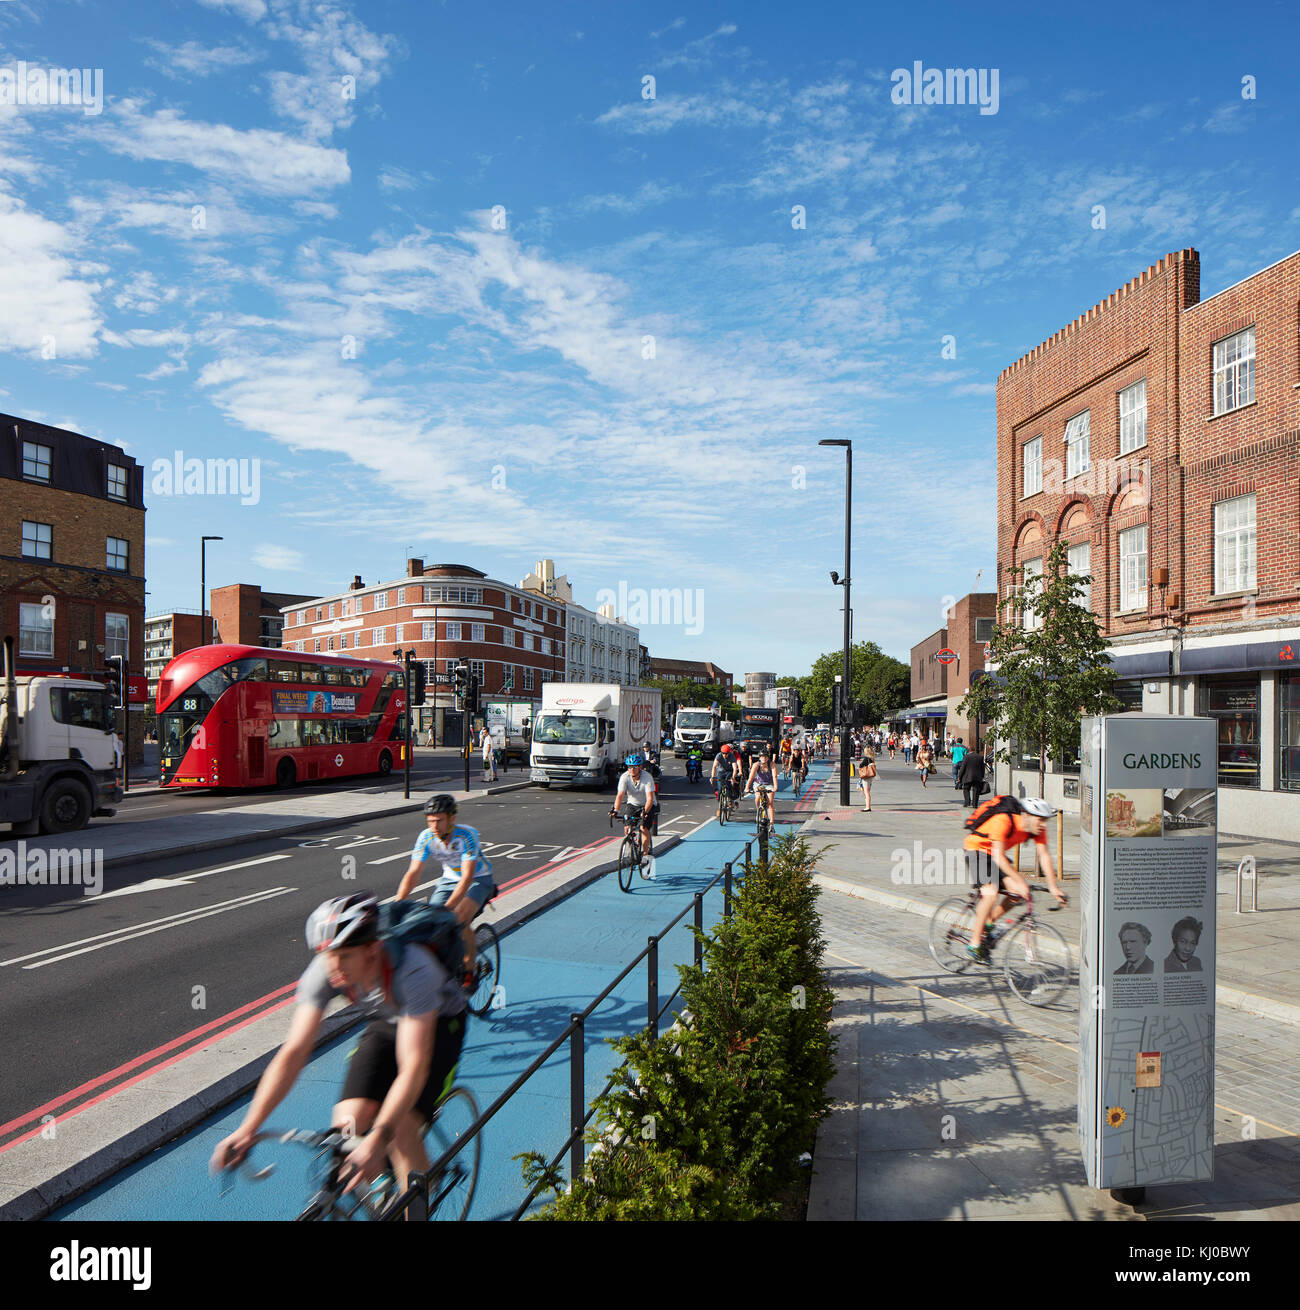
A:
551,968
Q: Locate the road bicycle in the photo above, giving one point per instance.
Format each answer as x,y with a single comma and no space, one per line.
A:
762,825
1032,954
630,859
450,1190
487,967
726,801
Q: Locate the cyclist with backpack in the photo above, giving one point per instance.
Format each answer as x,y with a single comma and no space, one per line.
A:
406,1058
997,826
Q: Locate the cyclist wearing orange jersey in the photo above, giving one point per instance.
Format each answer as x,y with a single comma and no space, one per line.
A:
995,875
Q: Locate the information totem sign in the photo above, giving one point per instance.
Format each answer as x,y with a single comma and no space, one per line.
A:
1147,855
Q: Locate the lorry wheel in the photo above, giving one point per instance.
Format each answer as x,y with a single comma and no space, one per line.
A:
286,772
65,807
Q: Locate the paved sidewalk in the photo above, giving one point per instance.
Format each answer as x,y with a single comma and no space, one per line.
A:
953,1100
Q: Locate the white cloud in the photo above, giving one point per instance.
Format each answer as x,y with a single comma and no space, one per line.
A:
1228,118
270,162
252,10
277,559
194,60
667,112
646,195
45,298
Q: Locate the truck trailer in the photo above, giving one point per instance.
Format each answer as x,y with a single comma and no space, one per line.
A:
585,730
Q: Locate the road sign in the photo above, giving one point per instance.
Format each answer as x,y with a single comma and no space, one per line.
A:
946,656
988,649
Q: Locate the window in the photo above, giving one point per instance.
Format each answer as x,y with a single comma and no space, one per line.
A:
1128,691
1288,732
36,461
1234,703
116,554
476,669
343,611
116,628
528,678
528,641
984,629
116,482
432,595
381,600
377,637
343,641
1080,561
1234,544
1032,457
1133,417
38,540
1076,445
428,632
476,632
329,644
544,644
451,668
453,631
507,636
398,630
1234,371
318,616
35,630
331,613
1133,568
1031,579
316,647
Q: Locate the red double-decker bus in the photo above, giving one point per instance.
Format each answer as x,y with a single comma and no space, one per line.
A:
246,716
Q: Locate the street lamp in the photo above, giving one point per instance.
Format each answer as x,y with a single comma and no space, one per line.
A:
203,584
844,582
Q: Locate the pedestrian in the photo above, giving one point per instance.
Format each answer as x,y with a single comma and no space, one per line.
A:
907,748
971,777
866,772
924,761
489,759
958,754
893,744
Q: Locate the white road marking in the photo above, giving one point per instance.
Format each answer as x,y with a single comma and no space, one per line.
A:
388,859
100,940
181,880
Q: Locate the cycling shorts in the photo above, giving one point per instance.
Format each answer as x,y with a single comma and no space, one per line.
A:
480,891
984,870
372,1068
638,814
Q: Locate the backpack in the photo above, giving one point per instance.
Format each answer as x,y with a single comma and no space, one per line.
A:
993,806
402,923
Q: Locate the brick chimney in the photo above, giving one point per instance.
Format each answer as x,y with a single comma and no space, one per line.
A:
356,582
414,568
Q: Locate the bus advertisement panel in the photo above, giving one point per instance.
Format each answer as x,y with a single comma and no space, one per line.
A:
245,716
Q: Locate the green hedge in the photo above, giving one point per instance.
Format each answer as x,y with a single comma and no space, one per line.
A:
709,1122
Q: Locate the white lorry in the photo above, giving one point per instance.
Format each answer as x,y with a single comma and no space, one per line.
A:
705,728
586,729
58,752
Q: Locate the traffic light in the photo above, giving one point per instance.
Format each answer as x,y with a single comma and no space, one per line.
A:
416,680
473,694
117,681
461,674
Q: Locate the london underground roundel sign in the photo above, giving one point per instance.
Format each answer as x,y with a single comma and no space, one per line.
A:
946,656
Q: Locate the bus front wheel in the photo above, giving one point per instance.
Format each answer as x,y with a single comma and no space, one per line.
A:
385,764
286,774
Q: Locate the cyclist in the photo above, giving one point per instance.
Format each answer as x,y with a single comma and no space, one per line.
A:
405,1060
797,765
787,750
466,883
726,765
638,788
995,875
762,779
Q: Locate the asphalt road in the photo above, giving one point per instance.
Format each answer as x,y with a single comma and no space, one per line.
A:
89,985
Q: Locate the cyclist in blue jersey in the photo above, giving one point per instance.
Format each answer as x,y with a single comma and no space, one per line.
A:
466,883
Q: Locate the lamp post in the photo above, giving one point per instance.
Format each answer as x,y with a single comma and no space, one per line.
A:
846,695
203,585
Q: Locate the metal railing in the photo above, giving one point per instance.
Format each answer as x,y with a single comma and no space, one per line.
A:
414,1201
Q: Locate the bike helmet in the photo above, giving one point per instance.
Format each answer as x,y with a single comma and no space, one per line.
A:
726,750
440,804
1041,809
634,762
344,921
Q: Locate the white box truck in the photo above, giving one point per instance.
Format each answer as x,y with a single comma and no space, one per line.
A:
585,731
58,752
705,728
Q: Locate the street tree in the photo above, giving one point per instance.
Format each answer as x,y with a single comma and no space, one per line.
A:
1050,664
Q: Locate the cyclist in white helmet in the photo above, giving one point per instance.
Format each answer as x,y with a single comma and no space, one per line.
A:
405,1060
1008,823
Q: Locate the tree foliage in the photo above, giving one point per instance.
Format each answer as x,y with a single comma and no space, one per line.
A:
880,684
1048,676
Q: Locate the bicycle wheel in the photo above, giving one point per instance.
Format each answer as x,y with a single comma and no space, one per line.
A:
627,863
722,809
452,1195
487,968
1037,963
950,926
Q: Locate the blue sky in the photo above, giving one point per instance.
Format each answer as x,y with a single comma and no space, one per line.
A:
244,255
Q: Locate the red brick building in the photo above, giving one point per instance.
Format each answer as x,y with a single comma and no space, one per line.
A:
447,614
702,671
169,635
938,689
245,615
1158,436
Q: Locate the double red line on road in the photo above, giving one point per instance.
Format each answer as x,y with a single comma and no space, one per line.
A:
73,1102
